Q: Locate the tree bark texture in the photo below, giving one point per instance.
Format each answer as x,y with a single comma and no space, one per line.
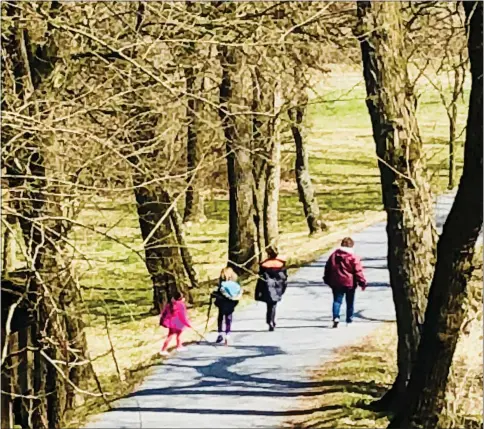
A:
455,252
57,332
266,154
9,248
194,209
303,177
237,127
405,188
162,250
459,77
167,257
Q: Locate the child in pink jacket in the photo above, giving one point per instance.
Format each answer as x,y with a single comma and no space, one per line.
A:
175,318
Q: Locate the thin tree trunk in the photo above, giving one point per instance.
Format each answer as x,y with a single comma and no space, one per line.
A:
452,138
266,160
457,91
405,189
184,252
9,248
455,252
271,201
303,176
238,131
194,210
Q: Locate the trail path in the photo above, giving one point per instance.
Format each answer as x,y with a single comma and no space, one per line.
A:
254,383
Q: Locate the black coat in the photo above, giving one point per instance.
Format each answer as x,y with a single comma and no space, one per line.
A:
271,285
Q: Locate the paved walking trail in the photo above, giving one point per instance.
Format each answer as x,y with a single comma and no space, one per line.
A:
255,382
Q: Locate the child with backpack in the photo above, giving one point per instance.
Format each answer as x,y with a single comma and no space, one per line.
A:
227,297
174,317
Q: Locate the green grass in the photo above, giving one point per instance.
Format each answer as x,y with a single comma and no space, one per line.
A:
346,180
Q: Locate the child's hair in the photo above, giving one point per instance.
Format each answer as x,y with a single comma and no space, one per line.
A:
272,251
347,242
175,297
228,274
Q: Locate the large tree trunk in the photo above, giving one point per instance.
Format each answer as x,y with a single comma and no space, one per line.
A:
455,252
57,331
194,210
238,133
167,258
303,177
405,189
162,250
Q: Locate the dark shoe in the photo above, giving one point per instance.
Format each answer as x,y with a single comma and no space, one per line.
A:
220,338
271,328
335,323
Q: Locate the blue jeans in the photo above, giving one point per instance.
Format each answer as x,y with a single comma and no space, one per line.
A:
338,294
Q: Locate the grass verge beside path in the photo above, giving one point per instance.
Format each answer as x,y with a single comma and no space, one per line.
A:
362,373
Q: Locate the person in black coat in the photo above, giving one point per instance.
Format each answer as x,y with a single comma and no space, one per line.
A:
272,284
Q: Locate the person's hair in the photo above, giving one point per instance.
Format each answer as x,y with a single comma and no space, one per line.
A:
176,296
347,242
272,251
228,274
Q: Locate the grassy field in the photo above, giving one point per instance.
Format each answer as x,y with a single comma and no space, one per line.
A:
361,373
112,274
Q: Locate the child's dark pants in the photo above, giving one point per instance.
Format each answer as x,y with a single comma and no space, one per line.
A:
271,313
225,311
228,322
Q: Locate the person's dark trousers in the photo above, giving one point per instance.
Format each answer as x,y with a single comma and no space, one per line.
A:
338,294
271,314
228,322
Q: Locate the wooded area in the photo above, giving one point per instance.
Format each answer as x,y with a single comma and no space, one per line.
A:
147,144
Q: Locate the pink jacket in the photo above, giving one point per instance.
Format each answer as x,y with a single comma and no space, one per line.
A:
343,268
176,319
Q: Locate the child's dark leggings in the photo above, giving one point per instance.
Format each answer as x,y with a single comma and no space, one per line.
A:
228,321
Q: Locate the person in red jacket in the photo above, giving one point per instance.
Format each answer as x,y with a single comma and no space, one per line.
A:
343,273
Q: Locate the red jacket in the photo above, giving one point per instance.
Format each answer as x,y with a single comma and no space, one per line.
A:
343,268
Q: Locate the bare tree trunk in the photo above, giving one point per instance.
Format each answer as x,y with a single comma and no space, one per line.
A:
184,252
271,201
455,252
238,133
9,248
303,176
53,335
167,258
405,189
162,250
194,210
452,138
459,77
266,160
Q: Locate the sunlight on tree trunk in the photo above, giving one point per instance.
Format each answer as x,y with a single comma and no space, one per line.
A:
405,187
303,176
455,252
237,131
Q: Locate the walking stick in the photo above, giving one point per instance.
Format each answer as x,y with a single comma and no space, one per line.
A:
208,314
